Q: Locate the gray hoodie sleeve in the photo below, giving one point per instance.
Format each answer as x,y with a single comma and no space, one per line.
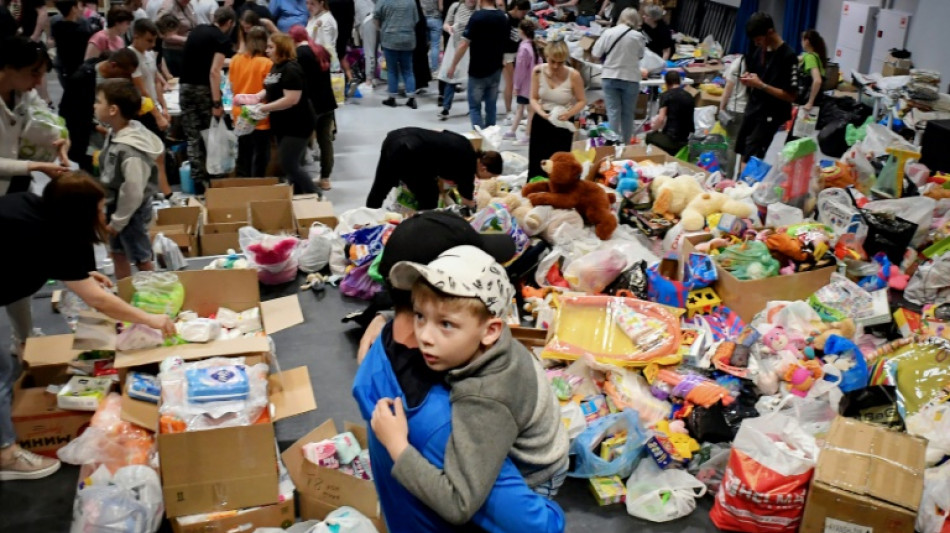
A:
483,431
131,193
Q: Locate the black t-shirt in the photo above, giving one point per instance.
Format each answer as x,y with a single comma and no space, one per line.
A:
443,154
7,22
514,35
71,39
414,376
24,222
661,37
28,15
487,33
317,81
619,6
679,113
779,69
296,121
203,43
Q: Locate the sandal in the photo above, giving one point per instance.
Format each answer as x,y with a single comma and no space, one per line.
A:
325,184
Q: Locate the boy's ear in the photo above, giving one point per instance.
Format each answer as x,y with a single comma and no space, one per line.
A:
493,329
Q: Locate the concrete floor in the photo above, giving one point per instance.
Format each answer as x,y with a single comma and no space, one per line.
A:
46,505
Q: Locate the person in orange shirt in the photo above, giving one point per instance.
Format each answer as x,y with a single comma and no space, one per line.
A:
247,73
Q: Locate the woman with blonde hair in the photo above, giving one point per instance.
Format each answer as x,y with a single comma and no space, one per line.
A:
620,50
247,73
291,118
557,94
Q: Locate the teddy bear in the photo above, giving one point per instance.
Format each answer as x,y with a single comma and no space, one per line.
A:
494,190
566,190
672,195
694,215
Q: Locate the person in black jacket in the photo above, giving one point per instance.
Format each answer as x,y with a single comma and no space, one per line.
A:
79,95
419,158
315,62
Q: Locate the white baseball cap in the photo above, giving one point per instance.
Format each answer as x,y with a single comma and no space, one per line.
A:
463,271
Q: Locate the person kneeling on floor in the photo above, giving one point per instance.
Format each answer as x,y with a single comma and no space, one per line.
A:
674,123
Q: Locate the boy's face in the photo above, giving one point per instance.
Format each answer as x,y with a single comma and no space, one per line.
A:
104,111
144,42
450,338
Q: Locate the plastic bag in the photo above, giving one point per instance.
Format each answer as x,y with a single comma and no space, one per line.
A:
709,465
315,254
855,377
158,292
199,330
764,487
109,508
110,441
354,219
932,422
167,253
179,414
513,163
491,138
704,118
662,495
917,210
589,464
836,211
274,256
222,148
358,284
919,371
749,260
138,337
930,283
935,504
42,128
593,272
248,119
651,61
795,181
345,520
495,218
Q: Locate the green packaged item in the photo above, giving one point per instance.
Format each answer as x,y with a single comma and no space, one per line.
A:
158,293
799,148
749,260
920,372
855,134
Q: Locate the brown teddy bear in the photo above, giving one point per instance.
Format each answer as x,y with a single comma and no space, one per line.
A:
566,190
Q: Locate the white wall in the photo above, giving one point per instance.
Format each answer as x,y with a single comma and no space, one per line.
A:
928,28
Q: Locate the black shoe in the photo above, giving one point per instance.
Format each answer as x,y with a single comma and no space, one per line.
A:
391,102
412,103
444,114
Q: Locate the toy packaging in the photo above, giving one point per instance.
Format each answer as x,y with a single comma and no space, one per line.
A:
608,490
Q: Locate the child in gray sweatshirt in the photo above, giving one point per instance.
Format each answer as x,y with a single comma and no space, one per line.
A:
502,404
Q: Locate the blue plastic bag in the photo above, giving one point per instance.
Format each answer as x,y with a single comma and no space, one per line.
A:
588,463
755,171
857,376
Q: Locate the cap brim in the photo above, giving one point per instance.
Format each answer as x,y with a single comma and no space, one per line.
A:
498,245
405,274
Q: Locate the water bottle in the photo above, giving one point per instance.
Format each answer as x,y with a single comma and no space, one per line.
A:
184,173
226,95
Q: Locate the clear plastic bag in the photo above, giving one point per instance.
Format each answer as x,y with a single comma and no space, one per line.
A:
589,464
158,292
930,283
274,256
138,337
221,147
315,254
749,260
101,509
110,441
345,520
662,495
41,130
593,272
168,253
935,504
794,180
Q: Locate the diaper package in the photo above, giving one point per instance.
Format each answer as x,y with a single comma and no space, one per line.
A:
83,393
217,383
143,387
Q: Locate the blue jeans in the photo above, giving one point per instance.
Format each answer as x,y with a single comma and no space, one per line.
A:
621,99
448,96
483,90
399,63
9,372
585,20
434,25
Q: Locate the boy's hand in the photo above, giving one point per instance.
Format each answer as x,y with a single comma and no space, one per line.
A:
391,427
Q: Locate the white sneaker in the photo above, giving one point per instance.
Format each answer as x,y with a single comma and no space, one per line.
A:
23,464
509,118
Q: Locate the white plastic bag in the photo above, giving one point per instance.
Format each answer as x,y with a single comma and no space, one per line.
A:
315,254
651,61
513,163
491,138
131,502
916,209
936,497
168,253
704,118
355,219
345,520
199,330
662,495
221,148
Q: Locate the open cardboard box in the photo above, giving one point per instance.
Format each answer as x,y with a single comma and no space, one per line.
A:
323,489
224,183
205,292
273,217
868,478
226,212
181,225
749,297
308,208
278,515
41,426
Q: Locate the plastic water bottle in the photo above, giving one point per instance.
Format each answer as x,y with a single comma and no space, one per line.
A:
227,96
184,173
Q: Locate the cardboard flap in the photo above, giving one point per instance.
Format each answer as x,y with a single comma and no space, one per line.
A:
190,352
141,413
50,350
281,313
231,197
291,393
207,290
271,216
243,182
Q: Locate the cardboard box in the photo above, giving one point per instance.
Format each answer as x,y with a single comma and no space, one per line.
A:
868,479
896,67
47,359
243,182
322,489
309,209
41,427
586,44
226,212
273,217
280,515
181,225
635,152
747,298
205,292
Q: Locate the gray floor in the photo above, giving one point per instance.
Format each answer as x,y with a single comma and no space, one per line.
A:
323,343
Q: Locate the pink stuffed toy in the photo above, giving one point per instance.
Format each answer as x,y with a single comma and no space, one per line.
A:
275,260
